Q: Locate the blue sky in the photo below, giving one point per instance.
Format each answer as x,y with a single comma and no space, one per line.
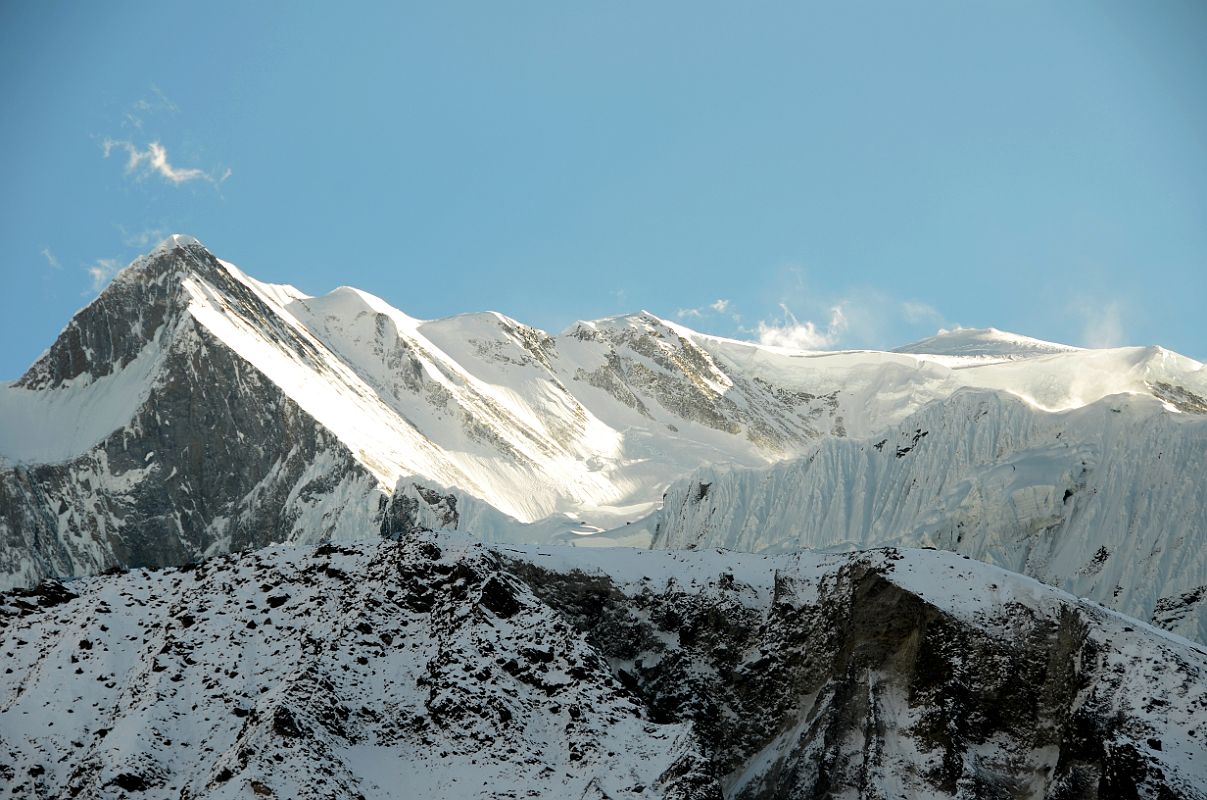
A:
848,174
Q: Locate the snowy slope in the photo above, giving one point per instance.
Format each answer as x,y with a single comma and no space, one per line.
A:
438,667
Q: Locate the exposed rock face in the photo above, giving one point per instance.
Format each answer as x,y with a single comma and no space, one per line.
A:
435,666
648,358
242,472
414,508
214,457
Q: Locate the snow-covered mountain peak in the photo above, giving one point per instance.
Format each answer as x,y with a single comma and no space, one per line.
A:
637,321
983,343
471,324
349,303
176,240
163,262
119,324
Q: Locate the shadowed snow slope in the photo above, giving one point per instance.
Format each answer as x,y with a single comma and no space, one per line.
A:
440,667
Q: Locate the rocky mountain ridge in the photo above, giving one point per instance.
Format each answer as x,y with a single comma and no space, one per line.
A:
437,666
185,366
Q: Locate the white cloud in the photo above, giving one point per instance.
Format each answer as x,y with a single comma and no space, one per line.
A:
1103,326
718,306
803,335
51,260
854,316
102,271
154,160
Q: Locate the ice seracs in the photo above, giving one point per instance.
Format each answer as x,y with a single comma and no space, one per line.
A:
1098,500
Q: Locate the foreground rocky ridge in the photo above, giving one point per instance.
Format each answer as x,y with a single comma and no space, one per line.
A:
438,666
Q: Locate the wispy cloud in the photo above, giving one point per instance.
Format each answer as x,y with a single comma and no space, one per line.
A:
719,306
154,161
51,260
808,335
144,238
151,158
144,107
102,271
812,318
1102,325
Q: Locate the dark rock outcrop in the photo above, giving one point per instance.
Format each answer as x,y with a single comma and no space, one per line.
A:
215,457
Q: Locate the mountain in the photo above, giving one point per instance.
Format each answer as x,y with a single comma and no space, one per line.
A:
142,437
191,410
437,666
